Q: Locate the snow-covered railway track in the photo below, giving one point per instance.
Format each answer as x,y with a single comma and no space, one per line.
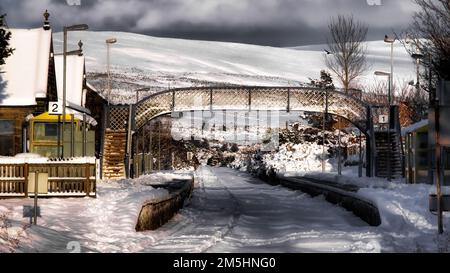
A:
234,212
211,215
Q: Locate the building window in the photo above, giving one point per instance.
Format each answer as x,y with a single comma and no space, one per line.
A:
7,137
51,130
45,131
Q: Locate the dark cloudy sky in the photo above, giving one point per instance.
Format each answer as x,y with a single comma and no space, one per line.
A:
265,22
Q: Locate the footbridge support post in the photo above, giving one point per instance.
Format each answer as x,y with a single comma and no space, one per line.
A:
370,145
130,131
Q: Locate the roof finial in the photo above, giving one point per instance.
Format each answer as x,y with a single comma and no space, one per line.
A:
80,45
46,22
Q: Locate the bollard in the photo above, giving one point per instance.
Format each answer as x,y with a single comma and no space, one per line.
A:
35,197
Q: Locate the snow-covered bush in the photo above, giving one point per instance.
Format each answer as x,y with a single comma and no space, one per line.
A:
297,158
301,149
9,236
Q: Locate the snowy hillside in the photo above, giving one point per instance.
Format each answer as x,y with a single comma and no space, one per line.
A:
378,57
139,60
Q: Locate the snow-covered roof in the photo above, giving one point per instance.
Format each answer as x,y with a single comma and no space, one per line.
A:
74,79
413,127
79,115
26,70
89,85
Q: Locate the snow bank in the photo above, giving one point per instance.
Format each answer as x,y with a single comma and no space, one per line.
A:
162,177
404,212
28,155
132,192
403,208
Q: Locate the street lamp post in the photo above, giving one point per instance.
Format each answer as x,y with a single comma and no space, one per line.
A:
381,73
109,42
339,129
360,165
324,119
65,30
417,57
78,52
391,41
323,129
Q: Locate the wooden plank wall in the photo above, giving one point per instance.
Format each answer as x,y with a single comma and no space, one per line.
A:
17,114
63,178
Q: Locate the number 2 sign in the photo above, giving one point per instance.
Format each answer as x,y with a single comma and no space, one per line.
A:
55,107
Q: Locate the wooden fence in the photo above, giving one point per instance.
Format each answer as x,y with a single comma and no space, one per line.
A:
64,178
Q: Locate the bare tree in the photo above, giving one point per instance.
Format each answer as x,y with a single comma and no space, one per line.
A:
429,35
346,55
412,101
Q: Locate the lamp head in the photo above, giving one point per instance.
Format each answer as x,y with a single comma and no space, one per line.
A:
388,39
143,89
417,56
381,73
76,27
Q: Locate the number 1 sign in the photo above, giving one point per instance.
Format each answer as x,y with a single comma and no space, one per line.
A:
383,119
55,107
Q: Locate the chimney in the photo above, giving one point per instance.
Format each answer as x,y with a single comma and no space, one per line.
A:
46,25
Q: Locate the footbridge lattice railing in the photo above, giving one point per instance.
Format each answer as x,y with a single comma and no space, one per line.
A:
253,98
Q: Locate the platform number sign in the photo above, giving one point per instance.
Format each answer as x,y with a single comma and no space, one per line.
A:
383,119
55,107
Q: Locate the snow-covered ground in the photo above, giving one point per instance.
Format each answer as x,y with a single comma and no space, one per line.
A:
230,211
403,207
104,224
160,63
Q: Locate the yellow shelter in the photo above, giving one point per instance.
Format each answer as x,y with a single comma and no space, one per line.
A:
48,138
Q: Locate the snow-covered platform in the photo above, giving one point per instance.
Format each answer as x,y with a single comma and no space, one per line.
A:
103,224
344,195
